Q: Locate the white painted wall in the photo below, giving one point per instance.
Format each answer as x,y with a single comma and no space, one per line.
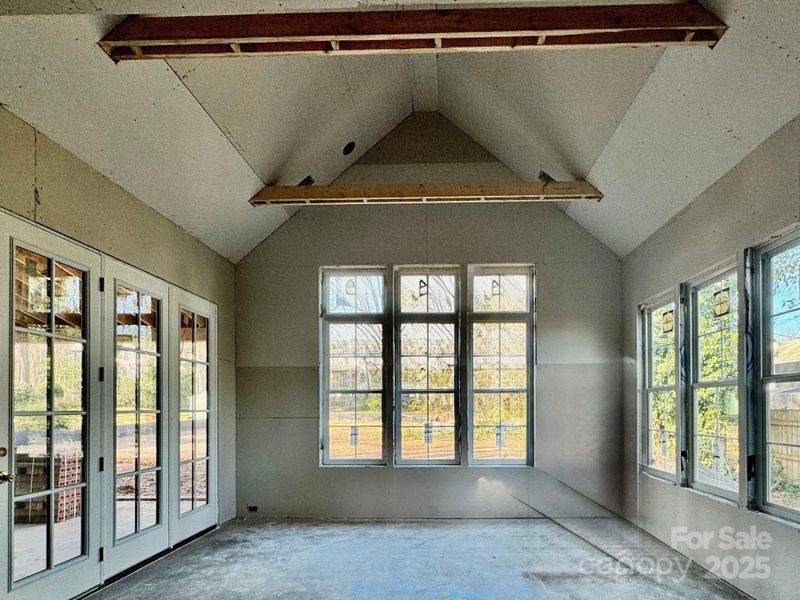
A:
579,433
79,202
758,198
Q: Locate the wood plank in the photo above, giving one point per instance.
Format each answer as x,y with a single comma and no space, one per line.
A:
535,191
384,31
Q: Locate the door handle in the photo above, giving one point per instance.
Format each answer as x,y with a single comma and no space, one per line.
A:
7,477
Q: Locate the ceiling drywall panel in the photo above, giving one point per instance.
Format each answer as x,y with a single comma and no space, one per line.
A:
699,114
427,148
291,116
551,111
197,7
136,124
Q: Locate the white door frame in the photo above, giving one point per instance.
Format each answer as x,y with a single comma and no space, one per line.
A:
82,573
137,547
183,526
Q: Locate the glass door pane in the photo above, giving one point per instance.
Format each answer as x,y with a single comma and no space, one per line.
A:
49,411
137,410
194,411
192,416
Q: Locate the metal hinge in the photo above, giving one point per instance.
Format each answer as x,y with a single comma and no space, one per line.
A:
102,373
102,284
102,554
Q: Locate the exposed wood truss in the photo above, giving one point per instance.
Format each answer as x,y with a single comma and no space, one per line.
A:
412,193
414,31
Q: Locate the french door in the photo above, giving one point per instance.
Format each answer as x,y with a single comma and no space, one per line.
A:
135,424
108,406
193,359
50,413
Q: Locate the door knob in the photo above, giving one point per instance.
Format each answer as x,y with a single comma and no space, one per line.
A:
7,477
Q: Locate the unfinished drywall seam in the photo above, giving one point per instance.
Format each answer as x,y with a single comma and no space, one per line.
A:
36,200
222,130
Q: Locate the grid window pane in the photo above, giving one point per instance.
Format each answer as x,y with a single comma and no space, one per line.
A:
661,428
717,327
126,376
785,300
148,382
31,454
662,450
355,293
68,526
427,293
200,483
784,475
201,338
148,323
31,290
30,536
501,293
148,440
148,500
68,449
126,442
68,300
31,372
663,324
187,335
67,375
127,317
186,486
125,506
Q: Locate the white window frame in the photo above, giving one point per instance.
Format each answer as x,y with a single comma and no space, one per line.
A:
529,318
692,383
645,311
382,318
764,376
400,318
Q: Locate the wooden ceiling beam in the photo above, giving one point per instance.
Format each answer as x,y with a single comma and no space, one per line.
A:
535,191
413,31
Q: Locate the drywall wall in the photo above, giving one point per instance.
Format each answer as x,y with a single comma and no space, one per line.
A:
578,394
756,199
43,182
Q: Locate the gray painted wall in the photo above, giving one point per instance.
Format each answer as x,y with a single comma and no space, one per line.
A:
755,200
79,202
579,433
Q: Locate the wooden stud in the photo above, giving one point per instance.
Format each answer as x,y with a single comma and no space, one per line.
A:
414,31
535,191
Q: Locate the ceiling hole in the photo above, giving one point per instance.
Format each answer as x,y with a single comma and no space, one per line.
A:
348,148
307,180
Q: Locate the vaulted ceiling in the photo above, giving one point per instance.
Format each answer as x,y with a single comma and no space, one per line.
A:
195,139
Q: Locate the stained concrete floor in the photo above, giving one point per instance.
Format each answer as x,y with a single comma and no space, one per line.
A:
579,558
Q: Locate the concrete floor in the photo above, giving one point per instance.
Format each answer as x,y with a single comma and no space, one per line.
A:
579,558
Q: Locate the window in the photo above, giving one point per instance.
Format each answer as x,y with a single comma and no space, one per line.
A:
194,410
427,329
391,356
501,357
353,373
714,415
137,411
661,386
780,349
